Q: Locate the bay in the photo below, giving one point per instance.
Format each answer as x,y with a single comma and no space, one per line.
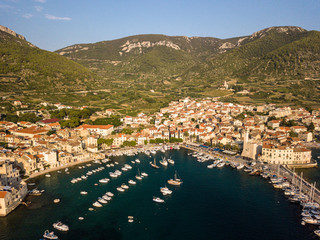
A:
210,204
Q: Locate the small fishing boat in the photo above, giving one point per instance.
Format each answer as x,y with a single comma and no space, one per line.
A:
49,235
158,200
60,226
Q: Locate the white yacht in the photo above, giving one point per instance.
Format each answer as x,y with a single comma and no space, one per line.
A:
60,226
104,180
170,161
97,204
124,186
102,200
144,174
165,191
110,194
132,182
120,189
158,200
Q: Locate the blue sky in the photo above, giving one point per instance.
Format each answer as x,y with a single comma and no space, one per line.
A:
54,24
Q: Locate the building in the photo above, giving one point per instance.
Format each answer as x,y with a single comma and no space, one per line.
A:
251,147
278,154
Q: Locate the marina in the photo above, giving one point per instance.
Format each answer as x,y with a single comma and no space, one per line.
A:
220,186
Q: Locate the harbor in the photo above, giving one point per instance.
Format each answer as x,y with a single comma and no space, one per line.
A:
143,201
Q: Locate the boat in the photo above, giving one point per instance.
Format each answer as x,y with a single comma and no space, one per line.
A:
221,164
158,200
154,164
211,165
102,200
31,184
138,176
165,191
57,200
132,182
144,174
240,166
83,193
124,186
60,226
110,194
120,189
107,198
104,180
163,162
97,204
317,232
49,235
170,161
35,192
80,218
48,175
137,160
176,181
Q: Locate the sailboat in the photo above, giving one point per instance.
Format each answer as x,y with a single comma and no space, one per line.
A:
164,162
154,164
176,181
138,176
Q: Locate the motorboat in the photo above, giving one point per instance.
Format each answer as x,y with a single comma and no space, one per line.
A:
83,193
97,204
165,191
104,180
124,169
120,189
127,166
144,174
110,194
102,200
48,175
124,186
137,160
170,161
107,198
35,192
132,182
60,226
158,200
57,200
49,235
317,232
175,181
240,166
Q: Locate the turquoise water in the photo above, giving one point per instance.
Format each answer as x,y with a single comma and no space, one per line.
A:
210,204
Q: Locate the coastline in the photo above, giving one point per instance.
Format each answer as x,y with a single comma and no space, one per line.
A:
57,168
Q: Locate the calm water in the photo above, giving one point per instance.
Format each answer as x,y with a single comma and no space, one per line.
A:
215,204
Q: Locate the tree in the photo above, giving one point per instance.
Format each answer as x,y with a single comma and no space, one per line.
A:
293,134
51,132
145,142
186,134
311,127
129,143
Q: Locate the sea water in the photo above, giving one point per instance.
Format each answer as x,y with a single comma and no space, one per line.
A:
219,203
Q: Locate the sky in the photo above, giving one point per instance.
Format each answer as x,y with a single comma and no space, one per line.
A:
55,24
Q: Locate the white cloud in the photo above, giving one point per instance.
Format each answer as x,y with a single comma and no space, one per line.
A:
5,6
27,15
38,8
51,17
40,1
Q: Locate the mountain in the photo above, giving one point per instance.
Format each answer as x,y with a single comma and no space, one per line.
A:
144,72
23,66
286,57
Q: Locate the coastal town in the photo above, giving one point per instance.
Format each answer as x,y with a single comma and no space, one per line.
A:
266,133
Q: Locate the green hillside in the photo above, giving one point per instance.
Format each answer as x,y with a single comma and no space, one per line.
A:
26,67
144,72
